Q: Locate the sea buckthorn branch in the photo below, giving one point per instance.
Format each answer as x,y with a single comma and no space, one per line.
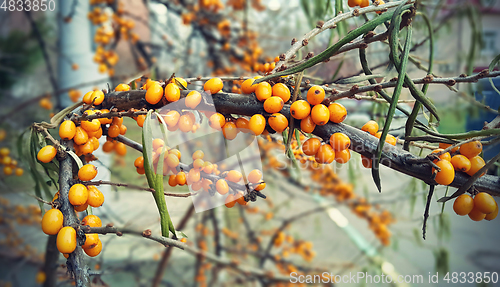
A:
48,136
102,182
76,263
330,24
168,242
361,142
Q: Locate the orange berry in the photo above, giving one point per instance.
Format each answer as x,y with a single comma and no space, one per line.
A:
180,178
364,3
193,176
78,194
186,122
353,3
139,162
242,125
113,131
199,154
240,199
217,121
172,181
94,251
87,172
46,154
214,85
229,131
123,129
445,145
172,160
476,163
476,214
300,109
342,156
315,95
325,154
67,130
263,91
254,176
122,88
282,91
97,98
81,136
108,146
461,163
221,186
234,176
278,122
81,208
273,104
172,118
371,127
172,92
307,125
52,221
444,156
257,124
484,203
66,240
493,215
175,152
154,93
471,149
198,163
320,114
193,99
120,148
19,171
463,204
340,141
261,186
140,170
90,240
96,198
311,146
447,173
105,121
247,87
87,96
338,113
140,120
181,82
92,221
367,162
230,201
117,121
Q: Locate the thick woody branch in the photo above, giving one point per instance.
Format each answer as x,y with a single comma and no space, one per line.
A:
361,142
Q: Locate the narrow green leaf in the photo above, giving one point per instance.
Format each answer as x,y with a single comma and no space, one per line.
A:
394,34
147,144
494,62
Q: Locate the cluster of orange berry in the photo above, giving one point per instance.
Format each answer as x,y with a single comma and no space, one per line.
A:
300,247
211,5
372,127
80,196
482,206
363,3
10,165
265,67
12,215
